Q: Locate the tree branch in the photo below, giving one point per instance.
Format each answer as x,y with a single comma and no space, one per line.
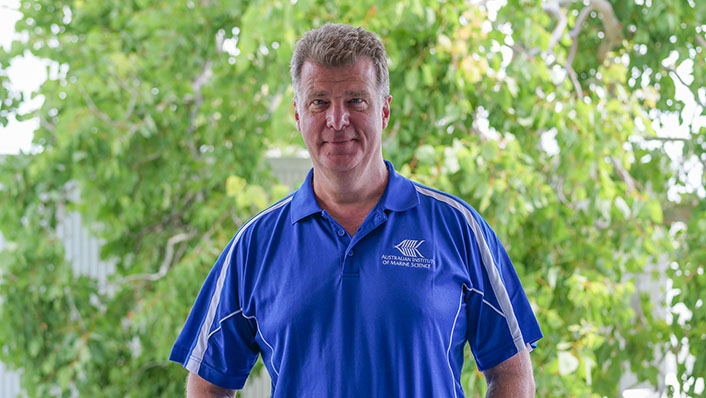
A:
624,175
74,309
613,27
196,86
148,159
701,40
559,188
612,33
667,139
574,79
188,201
674,212
46,124
166,263
612,36
131,105
574,33
180,253
560,14
94,108
518,49
207,236
133,98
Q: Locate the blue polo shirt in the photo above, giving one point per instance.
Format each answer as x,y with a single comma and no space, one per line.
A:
385,313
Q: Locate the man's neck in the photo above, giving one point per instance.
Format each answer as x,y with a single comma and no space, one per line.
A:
349,197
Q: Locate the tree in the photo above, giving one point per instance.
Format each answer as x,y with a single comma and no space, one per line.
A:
542,116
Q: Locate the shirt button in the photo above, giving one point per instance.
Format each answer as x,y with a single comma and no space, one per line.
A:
350,253
341,232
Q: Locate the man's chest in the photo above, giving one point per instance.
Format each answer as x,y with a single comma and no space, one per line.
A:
389,274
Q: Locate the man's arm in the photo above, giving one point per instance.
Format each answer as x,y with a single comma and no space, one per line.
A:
511,378
198,387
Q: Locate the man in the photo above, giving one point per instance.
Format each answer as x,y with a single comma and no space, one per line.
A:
361,283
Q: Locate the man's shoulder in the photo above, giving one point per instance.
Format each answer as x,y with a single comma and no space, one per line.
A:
437,198
453,209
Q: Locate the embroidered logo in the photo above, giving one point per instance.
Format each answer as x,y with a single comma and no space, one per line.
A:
411,256
408,247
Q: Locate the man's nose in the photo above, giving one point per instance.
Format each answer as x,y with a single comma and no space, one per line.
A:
337,116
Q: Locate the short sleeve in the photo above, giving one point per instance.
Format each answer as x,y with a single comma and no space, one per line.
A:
217,341
500,319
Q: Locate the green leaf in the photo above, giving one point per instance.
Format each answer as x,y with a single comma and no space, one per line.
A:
235,185
655,211
426,154
622,206
412,80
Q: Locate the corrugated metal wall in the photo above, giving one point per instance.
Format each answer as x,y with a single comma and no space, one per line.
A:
9,382
81,248
83,251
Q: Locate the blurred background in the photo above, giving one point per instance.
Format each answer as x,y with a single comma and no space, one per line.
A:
137,136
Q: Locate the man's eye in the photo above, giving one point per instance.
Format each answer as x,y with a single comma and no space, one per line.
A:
317,102
357,101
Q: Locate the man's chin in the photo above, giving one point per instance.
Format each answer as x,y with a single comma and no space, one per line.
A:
341,163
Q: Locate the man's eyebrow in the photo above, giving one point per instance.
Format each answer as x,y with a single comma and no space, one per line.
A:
350,93
317,94
357,93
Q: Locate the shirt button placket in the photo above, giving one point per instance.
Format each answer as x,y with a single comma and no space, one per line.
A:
350,268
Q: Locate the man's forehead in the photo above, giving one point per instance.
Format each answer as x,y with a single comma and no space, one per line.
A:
359,76
362,63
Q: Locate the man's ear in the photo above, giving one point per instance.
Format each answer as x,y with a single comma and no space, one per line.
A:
296,115
386,111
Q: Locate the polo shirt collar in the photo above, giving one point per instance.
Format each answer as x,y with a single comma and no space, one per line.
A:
304,202
400,194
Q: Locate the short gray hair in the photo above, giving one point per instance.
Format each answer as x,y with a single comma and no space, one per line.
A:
335,45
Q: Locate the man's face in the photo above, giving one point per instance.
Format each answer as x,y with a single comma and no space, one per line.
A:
341,114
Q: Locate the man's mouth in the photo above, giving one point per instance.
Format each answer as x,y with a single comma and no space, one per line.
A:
338,141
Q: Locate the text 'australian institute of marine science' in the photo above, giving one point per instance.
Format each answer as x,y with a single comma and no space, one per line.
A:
411,256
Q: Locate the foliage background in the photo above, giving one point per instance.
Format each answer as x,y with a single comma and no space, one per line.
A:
542,115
